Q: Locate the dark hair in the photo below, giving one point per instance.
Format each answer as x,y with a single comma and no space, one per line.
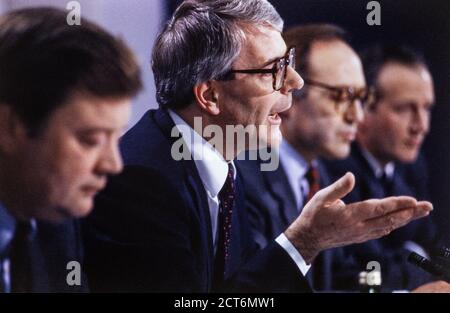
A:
200,43
303,37
44,61
375,57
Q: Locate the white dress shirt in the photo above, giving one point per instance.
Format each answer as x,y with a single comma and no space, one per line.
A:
376,167
213,170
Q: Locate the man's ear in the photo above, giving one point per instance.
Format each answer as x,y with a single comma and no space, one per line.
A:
206,97
12,129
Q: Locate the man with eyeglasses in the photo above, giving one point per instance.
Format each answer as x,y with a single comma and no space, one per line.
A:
171,223
388,142
322,123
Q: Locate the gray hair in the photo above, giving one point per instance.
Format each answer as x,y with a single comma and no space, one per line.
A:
200,43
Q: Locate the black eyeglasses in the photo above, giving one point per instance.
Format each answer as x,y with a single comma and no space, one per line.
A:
278,71
344,96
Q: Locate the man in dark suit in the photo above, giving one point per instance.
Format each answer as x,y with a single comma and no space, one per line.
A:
321,123
388,142
174,220
64,101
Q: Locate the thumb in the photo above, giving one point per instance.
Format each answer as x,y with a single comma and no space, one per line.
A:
339,188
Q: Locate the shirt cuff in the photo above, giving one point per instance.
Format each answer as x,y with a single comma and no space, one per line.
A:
293,253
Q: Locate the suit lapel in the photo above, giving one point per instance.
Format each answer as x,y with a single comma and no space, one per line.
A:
374,189
278,185
399,185
196,190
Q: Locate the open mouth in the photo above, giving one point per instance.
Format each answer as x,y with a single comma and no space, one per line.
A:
274,118
274,115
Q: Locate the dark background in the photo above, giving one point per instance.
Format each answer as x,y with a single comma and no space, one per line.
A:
422,24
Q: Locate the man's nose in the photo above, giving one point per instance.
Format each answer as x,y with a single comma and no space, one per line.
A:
421,121
110,161
354,112
293,81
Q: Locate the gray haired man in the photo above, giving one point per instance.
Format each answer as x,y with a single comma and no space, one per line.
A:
180,225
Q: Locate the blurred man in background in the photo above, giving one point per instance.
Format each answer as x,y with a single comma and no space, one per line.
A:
64,101
389,137
322,122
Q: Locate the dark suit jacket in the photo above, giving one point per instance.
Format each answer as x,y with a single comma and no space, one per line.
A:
151,231
51,249
59,245
396,272
272,208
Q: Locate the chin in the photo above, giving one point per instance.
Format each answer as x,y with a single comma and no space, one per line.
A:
271,141
343,154
275,138
81,208
408,158
338,153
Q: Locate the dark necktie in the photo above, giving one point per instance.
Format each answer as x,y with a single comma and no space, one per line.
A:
312,176
21,257
314,274
387,184
226,205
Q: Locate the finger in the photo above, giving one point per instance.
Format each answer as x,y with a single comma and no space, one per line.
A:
374,208
338,189
425,205
396,219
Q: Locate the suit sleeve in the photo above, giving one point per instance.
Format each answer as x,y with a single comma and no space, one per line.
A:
142,237
264,270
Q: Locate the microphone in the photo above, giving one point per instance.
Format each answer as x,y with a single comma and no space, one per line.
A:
444,252
429,266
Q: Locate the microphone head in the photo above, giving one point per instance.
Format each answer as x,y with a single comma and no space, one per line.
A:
444,252
424,264
416,259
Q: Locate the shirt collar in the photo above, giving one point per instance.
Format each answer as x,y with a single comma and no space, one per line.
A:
376,167
293,161
211,166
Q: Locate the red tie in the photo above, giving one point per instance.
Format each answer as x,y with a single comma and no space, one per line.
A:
312,176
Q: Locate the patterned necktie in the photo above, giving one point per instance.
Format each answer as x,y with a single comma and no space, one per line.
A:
312,176
226,205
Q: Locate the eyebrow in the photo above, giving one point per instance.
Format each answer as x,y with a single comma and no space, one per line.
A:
275,59
90,130
271,61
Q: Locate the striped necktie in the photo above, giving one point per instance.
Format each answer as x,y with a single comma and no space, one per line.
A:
312,176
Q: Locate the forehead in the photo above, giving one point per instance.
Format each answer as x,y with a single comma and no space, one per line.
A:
82,111
415,83
336,63
261,45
